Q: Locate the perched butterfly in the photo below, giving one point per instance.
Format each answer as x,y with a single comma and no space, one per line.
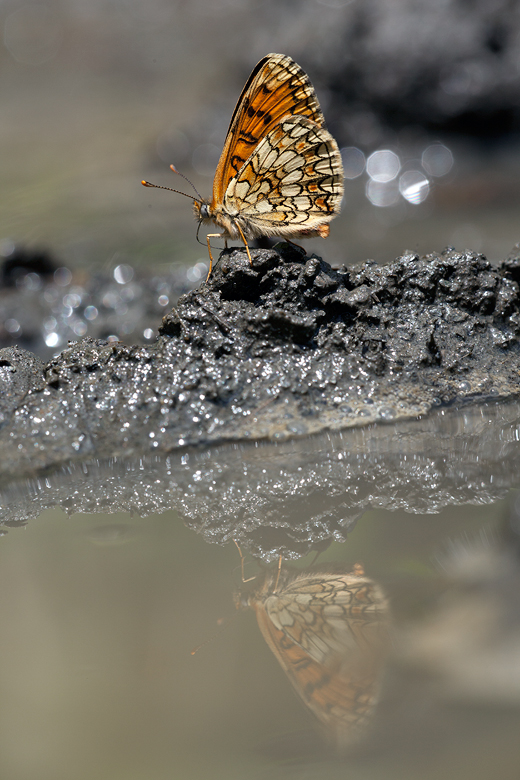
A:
329,631
280,172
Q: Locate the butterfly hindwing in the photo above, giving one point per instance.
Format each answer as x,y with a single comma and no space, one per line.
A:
293,181
341,701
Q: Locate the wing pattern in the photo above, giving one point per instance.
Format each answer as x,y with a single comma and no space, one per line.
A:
329,632
291,183
276,88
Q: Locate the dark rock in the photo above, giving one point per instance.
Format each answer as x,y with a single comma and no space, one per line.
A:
24,261
171,324
275,349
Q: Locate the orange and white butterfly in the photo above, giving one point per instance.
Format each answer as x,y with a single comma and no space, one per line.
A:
280,172
328,628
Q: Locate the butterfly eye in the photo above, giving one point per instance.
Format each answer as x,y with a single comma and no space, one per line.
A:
204,211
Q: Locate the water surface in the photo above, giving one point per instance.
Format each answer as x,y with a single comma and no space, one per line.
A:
100,612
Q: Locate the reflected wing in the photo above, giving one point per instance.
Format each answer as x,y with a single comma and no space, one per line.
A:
329,634
276,88
292,183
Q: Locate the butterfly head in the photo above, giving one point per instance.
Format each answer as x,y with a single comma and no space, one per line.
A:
202,210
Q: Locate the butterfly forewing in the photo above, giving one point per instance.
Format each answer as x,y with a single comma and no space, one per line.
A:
329,632
277,88
291,182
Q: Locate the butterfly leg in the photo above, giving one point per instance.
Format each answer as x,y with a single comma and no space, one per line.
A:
242,563
278,574
211,235
245,243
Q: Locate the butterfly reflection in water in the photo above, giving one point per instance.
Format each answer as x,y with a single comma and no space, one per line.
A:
328,628
280,172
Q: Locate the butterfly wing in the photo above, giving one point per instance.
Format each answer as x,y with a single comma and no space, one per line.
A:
291,185
329,634
276,88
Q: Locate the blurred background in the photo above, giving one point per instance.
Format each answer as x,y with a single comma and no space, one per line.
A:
423,98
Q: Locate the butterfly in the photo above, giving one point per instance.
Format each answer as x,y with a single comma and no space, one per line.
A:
328,628
280,172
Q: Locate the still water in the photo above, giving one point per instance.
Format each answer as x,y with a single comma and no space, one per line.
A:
100,613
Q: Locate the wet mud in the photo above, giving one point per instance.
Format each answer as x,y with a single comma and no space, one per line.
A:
294,496
285,348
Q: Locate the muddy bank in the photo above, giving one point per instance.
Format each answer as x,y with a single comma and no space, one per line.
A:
286,348
293,496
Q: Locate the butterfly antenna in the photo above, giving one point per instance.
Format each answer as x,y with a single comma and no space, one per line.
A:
223,622
170,189
174,169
